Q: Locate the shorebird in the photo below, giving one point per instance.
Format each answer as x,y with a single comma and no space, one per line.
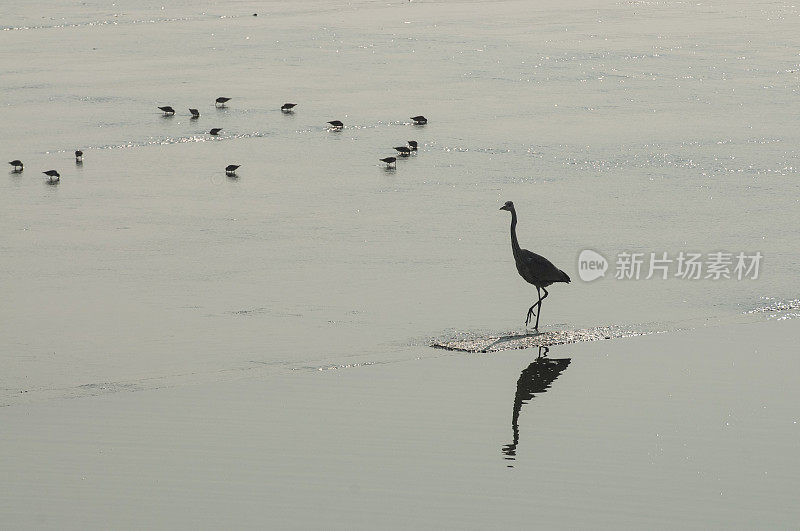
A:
389,161
215,131
336,124
52,176
230,169
195,113
17,165
412,144
419,120
167,110
403,151
535,269
287,107
78,156
221,101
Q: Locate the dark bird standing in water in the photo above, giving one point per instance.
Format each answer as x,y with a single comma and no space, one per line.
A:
17,165
221,101
78,156
403,151
389,161
52,176
535,269
412,144
195,113
215,131
419,120
336,124
167,110
230,169
287,107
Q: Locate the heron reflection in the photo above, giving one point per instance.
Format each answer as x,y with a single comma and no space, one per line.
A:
535,379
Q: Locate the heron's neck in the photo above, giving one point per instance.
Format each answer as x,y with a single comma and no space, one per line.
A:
514,242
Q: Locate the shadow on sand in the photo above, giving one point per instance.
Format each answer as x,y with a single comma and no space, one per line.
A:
535,379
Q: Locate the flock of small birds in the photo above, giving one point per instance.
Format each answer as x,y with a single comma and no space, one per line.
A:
53,177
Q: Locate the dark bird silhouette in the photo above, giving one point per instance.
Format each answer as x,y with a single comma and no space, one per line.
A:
230,169
403,151
195,113
215,131
336,124
389,161
535,379
221,101
167,110
287,107
412,144
17,165
79,156
419,120
535,269
52,176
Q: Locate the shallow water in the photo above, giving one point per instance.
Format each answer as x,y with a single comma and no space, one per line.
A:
615,126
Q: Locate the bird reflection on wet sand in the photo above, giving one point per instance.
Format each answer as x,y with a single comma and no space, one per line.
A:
535,379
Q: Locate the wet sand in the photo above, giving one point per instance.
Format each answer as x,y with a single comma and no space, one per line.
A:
419,443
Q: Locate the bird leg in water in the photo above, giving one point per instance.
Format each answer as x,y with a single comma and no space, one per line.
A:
539,311
531,312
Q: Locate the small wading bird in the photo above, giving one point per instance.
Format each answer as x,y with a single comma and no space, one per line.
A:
221,101
287,107
535,269
230,169
78,156
17,165
195,113
52,176
389,161
419,120
336,125
403,151
167,110
412,144
215,131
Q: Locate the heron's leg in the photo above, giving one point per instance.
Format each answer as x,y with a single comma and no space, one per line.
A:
530,310
539,312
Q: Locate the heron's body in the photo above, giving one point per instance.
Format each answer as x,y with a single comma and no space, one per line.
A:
403,151
389,161
221,101
419,120
17,165
195,113
336,124
412,144
230,169
79,156
215,131
287,107
534,268
167,109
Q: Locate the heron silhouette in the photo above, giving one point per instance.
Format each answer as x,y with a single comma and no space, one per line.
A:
287,107
230,169
78,156
195,113
52,176
17,165
535,269
167,110
221,101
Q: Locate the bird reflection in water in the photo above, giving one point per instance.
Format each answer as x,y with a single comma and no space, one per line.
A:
535,379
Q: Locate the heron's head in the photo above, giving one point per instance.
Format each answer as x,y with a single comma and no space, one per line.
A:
508,206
